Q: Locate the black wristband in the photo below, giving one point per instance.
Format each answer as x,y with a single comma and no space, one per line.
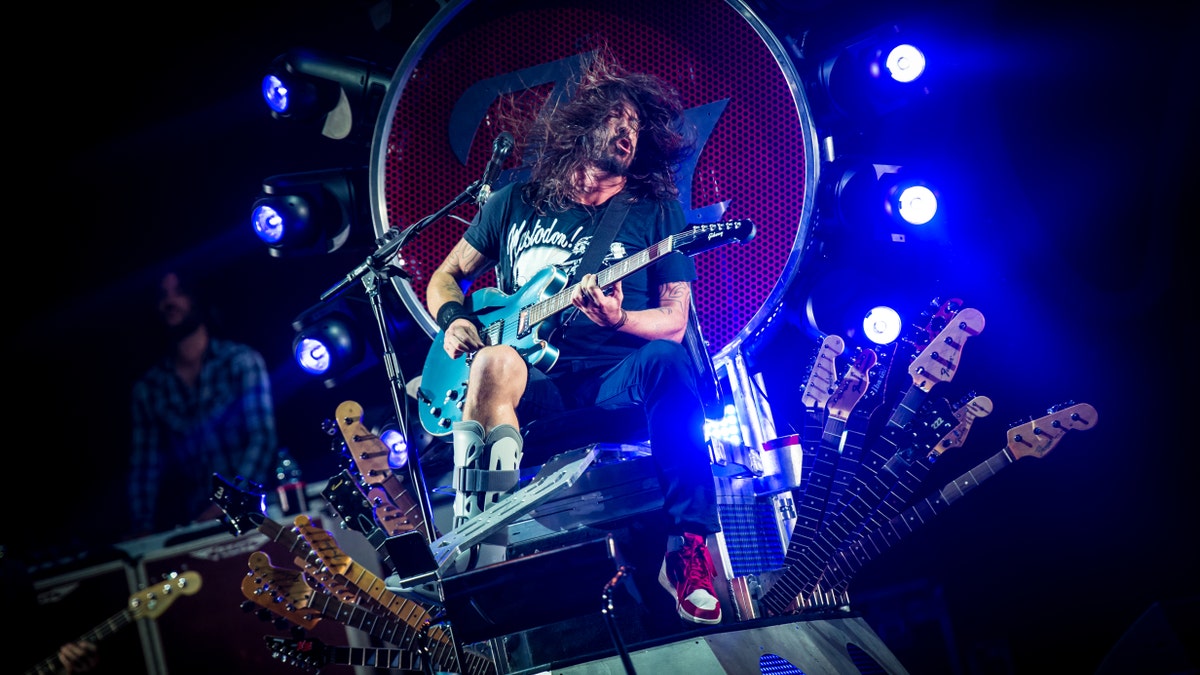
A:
451,311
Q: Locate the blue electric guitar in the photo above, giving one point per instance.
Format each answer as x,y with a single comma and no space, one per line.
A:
521,321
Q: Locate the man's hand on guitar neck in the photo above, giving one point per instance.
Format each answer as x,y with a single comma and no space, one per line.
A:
604,309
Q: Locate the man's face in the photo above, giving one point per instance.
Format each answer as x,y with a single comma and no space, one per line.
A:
174,304
616,140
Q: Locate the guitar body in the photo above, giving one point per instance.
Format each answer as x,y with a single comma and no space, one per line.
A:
444,380
523,320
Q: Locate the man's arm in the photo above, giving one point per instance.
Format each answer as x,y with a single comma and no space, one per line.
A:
445,284
444,297
667,321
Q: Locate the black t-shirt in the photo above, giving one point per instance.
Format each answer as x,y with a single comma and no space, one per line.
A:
522,243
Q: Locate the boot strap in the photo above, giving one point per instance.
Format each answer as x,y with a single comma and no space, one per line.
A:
480,480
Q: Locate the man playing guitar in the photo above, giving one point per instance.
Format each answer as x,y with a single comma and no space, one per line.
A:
617,142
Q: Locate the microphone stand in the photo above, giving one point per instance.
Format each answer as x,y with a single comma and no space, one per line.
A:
372,271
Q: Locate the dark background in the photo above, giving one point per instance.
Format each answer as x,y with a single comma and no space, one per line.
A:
146,140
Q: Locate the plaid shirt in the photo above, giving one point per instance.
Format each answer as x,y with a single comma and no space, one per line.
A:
182,436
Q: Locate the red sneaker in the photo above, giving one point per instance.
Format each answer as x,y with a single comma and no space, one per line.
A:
687,574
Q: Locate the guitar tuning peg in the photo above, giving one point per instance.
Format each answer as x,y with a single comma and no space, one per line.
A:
1060,406
280,623
1021,421
263,614
248,606
298,632
329,427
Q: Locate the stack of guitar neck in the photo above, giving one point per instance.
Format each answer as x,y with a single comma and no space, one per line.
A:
864,487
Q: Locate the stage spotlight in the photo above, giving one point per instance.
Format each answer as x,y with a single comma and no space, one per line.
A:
874,74
910,200
397,444
882,325
881,202
311,212
329,343
306,86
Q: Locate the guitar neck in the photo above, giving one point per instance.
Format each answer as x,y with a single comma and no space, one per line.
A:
869,545
51,665
910,473
811,498
605,278
880,489
336,563
1033,439
373,657
396,511
848,463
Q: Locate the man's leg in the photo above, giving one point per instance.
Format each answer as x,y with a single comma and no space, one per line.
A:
488,445
661,377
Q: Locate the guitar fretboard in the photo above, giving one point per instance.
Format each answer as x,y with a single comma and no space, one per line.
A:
51,665
373,657
804,566
868,545
540,311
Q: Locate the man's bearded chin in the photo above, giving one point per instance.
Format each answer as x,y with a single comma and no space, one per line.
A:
191,321
611,164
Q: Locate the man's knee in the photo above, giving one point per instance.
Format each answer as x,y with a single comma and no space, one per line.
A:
498,363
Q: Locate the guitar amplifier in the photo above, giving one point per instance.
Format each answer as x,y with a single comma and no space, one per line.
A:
212,632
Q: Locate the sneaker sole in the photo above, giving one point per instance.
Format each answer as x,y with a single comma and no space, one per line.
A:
664,580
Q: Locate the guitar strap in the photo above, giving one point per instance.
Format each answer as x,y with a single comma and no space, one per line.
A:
606,231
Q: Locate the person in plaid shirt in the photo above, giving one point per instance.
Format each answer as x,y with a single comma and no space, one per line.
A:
204,408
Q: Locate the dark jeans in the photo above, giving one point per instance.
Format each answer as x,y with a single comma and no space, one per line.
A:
659,378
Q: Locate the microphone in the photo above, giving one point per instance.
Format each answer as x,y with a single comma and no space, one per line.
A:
501,149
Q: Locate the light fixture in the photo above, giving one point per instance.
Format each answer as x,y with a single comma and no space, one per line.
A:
874,74
882,325
728,429
329,343
311,212
861,201
306,86
397,444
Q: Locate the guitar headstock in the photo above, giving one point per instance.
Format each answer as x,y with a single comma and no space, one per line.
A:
244,511
853,386
307,654
395,509
966,413
934,420
347,500
152,601
932,320
1039,436
706,236
367,451
283,592
822,376
938,362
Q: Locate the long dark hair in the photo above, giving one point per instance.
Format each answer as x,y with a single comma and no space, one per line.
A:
556,139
